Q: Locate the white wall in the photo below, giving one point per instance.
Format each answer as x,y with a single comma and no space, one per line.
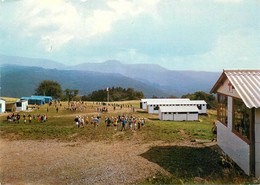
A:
3,106
151,109
193,117
257,142
144,105
180,117
231,144
203,109
23,107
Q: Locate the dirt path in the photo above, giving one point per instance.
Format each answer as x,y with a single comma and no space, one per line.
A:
52,162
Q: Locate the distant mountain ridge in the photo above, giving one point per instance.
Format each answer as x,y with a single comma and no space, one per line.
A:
36,62
17,81
153,75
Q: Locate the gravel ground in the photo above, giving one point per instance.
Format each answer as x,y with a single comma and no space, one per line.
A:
52,162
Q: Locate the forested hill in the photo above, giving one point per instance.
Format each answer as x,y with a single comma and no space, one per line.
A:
17,81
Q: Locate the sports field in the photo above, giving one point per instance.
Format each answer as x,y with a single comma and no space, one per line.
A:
57,152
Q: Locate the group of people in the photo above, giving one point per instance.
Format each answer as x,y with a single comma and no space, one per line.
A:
102,110
16,118
78,105
124,121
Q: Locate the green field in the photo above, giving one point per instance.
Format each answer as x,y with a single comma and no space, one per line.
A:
172,149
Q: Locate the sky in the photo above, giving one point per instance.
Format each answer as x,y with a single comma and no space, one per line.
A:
201,35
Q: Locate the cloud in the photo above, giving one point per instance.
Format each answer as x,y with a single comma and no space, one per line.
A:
229,1
57,22
237,49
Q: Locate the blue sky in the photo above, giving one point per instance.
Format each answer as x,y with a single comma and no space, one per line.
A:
208,35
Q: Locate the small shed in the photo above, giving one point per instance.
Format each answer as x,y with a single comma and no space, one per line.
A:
47,99
179,113
21,105
34,100
238,117
2,106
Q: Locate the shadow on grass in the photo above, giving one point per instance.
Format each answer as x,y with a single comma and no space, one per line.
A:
185,162
142,112
154,119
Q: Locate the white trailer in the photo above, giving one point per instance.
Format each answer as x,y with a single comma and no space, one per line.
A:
179,113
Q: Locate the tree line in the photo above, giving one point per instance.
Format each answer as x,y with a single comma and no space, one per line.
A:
115,94
52,88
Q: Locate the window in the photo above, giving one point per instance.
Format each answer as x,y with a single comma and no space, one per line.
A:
18,104
222,109
170,113
156,107
241,118
199,107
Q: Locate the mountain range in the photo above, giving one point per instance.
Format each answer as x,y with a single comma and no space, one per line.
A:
20,76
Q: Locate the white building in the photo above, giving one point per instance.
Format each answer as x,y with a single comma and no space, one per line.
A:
143,103
21,105
2,106
152,105
179,113
238,117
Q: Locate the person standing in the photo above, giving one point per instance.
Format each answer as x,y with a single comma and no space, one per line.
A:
82,121
30,118
123,124
214,131
115,124
77,121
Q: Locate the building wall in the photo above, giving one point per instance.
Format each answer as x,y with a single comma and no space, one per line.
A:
3,106
224,89
193,117
160,115
23,107
180,117
203,109
144,105
231,144
257,142
151,110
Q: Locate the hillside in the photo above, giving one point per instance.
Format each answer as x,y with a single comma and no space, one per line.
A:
176,83
17,81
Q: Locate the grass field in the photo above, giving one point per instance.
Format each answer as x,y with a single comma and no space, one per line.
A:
174,146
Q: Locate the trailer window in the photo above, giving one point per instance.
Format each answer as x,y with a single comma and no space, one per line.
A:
18,104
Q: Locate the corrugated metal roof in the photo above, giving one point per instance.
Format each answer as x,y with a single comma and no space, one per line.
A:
159,100
179,109
247,85
180,101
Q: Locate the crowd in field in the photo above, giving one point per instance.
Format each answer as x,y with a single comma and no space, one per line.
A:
101,106
31,118
123,121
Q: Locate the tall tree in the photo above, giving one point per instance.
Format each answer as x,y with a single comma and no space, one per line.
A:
71,93
49,88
